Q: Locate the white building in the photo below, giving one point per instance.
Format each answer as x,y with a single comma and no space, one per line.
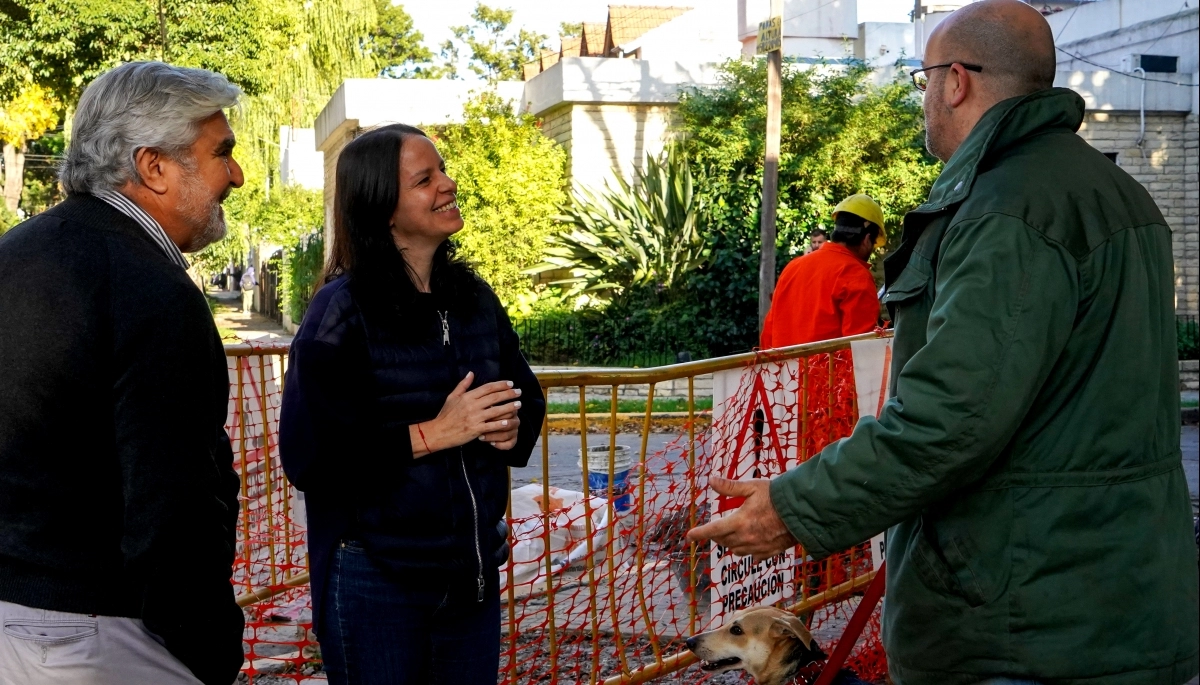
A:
820,30
609,102
1135,64
300,162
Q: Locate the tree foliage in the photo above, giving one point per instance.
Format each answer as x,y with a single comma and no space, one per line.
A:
643,233
839,136
27,116
396,45
287,55
496,52
511,181
327,42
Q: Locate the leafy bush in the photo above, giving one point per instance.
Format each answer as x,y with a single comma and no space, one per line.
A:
644,233
511,181
8,219
302,267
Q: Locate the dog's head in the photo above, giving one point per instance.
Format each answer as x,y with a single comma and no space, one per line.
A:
771,644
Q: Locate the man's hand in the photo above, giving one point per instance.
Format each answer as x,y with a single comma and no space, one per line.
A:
754,529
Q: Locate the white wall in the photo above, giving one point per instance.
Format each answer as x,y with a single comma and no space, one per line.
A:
1107,32
705,34
300,162
882,43
1108,91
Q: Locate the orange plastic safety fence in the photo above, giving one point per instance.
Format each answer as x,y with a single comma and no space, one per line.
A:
602,582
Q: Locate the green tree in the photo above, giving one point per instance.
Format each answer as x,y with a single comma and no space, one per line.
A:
497,53
568,29
395,45
287,55
511,181
840,136
323,43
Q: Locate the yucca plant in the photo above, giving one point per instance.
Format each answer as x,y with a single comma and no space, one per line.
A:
639,233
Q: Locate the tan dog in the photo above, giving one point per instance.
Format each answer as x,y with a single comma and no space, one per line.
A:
771,644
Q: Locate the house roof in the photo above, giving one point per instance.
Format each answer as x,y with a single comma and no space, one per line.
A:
592,40
571,46
627,23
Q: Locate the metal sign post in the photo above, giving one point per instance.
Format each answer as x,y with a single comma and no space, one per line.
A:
770,42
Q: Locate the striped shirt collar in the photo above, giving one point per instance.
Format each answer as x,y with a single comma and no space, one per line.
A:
130,209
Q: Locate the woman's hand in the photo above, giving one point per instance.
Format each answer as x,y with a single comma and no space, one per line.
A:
505,439
485,412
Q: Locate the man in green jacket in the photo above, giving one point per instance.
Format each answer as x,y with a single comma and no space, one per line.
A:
1027,468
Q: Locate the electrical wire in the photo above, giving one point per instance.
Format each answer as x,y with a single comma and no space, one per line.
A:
1068,23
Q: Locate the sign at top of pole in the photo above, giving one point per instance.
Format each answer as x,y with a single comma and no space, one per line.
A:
770,35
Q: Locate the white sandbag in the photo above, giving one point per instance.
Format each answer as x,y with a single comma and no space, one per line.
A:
568,533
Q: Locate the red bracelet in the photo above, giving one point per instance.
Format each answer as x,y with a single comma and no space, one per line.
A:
422,434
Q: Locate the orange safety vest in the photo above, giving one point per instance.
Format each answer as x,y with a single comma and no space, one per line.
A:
823,295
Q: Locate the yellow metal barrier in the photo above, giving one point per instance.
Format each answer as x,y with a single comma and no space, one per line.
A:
267,566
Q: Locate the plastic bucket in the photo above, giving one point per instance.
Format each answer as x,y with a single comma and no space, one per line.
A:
597,461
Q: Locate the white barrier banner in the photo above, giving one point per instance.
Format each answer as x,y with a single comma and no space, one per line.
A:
754,415
872,385
756,435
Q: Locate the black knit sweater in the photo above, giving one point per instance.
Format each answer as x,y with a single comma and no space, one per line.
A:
117,490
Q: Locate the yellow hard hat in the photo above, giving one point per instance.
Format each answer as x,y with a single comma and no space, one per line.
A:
864,206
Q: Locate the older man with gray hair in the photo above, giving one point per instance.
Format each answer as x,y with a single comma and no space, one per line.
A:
1027,469
118,499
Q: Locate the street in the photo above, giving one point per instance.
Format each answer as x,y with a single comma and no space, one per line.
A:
564,457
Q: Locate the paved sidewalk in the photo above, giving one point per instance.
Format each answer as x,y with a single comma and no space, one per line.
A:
245,325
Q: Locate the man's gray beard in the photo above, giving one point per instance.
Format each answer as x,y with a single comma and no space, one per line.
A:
932,144
933,112
203,215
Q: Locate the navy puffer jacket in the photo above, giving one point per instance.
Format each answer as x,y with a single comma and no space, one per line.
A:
358,378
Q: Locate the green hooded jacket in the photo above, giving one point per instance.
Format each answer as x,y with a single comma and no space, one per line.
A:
1027,467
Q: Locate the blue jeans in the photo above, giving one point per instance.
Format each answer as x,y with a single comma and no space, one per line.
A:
376,631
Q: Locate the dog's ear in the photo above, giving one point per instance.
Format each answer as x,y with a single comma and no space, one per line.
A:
793,626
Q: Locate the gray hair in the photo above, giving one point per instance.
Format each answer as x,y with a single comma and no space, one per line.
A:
138,105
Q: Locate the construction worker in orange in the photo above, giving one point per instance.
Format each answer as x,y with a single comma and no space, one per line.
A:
829,293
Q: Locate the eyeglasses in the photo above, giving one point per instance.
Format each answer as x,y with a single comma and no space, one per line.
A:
921,79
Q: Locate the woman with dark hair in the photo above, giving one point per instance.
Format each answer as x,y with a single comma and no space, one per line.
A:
400,419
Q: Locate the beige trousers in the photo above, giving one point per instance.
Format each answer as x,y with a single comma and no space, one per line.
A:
41,647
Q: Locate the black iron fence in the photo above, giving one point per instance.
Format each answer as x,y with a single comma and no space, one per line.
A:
1188,330
568,341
